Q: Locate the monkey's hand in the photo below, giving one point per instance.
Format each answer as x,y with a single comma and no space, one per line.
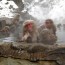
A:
25,36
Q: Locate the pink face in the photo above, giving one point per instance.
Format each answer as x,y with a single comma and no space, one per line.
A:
29,27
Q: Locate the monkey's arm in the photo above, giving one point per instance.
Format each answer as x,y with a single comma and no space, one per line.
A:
25,37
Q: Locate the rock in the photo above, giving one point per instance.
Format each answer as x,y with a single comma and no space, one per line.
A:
48,63
33,52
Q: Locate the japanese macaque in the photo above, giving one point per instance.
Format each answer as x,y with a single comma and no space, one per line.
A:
47,32
5,30
29,31
50,25
16,20
15,28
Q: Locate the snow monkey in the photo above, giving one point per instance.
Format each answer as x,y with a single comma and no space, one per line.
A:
29,31
47,32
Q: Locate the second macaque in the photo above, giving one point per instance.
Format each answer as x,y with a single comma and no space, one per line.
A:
47,33
29,31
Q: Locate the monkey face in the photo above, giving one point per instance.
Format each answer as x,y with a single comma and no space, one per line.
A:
49,24
29,27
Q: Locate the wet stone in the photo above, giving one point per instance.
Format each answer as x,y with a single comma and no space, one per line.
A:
32,52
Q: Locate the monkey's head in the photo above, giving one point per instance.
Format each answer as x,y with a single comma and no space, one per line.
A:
16,19
49,23
29,26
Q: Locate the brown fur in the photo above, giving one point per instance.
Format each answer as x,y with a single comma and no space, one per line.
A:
47,36
33,34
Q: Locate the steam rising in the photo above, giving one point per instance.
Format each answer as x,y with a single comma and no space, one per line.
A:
39,9
42,9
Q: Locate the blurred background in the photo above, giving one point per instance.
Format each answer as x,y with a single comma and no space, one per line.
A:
38,10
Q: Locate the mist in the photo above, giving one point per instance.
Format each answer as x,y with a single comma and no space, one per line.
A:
38,10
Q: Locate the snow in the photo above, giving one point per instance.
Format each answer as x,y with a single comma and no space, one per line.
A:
39,9
5,11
